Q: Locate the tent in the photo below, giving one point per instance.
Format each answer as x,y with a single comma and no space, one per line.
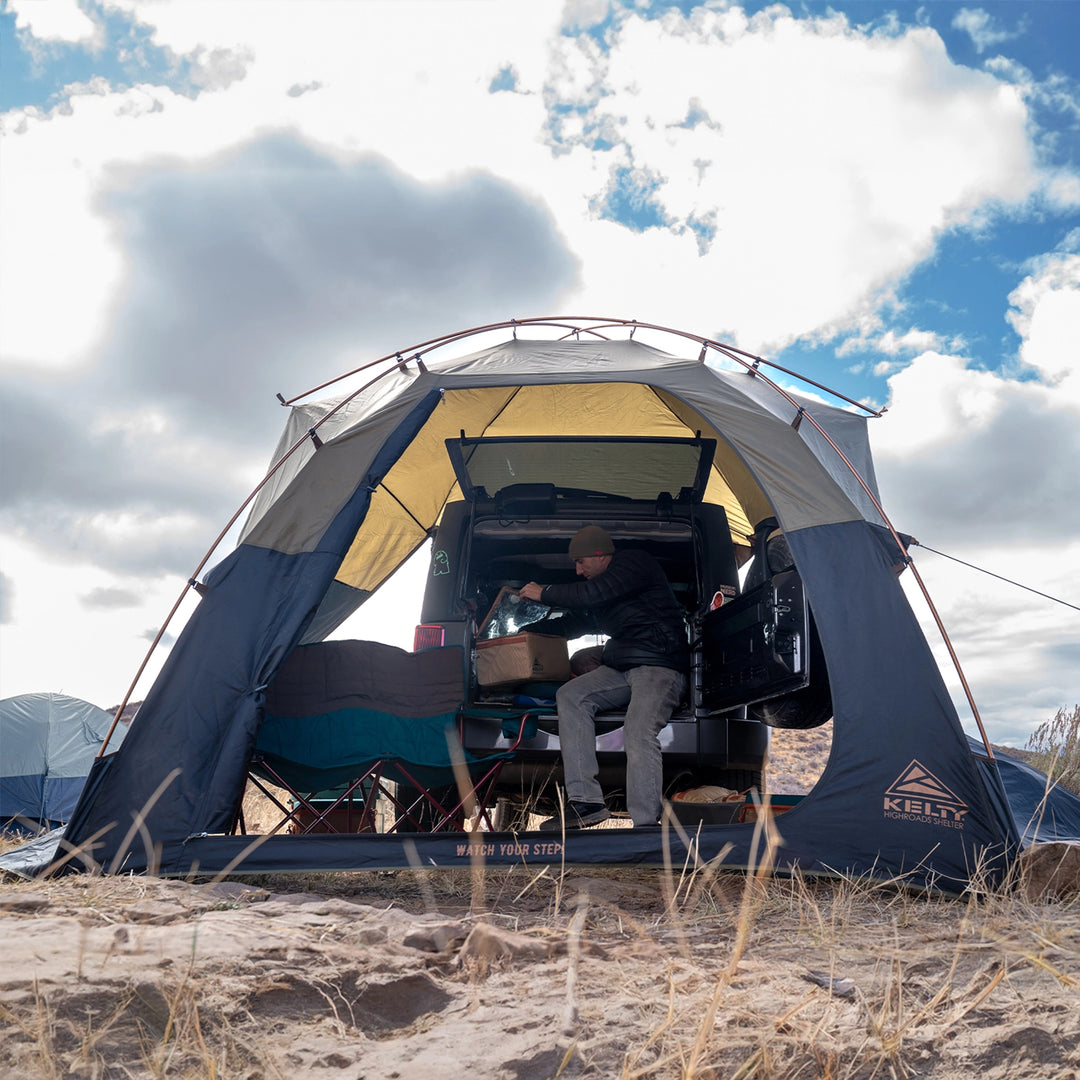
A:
359,480
47,745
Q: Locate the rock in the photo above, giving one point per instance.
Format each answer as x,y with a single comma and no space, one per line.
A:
490,946
25,903
231,890
436,937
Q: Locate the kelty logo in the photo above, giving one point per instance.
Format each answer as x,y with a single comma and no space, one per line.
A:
918,795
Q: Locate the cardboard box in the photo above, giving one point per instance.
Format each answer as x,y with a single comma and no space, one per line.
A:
522,658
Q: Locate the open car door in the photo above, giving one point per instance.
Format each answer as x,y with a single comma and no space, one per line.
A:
759,645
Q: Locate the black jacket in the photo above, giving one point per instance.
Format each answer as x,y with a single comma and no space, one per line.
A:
632,602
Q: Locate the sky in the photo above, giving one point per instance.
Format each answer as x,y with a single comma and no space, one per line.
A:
203,205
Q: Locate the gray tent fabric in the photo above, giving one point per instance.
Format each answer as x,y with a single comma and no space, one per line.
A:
903,797
47,745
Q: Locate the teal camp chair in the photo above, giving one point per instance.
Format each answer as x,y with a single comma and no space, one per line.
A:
347,721
335,768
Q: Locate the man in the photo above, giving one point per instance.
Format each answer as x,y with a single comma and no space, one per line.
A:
643,668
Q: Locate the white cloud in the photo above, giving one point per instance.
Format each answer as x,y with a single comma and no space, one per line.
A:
7,587
810,184
814,181
981,467
1020,652
984,30
107,597
54,21
1046,314
913,340
892,343
53,643
218,69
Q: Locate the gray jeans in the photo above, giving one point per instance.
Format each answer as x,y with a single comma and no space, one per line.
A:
650,695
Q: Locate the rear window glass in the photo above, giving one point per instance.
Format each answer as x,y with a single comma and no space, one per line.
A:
639,469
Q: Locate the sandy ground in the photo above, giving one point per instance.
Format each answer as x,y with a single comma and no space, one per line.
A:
512,976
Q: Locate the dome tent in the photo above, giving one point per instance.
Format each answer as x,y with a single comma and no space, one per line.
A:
47,745
359,481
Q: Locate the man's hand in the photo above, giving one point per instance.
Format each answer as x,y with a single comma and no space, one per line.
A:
532,591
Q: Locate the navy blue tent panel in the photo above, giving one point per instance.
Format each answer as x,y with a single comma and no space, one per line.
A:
190,764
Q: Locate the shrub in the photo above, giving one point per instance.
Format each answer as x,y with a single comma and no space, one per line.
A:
1055,746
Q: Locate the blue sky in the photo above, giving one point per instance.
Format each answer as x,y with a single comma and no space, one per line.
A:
204,205
36,72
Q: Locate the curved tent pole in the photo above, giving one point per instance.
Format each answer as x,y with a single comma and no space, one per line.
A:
727,350
192,581
415,352
568,323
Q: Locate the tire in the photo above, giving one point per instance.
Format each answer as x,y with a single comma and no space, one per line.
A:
800,711
740,779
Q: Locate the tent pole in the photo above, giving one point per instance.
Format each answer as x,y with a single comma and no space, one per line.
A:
955,659
567,323
192,582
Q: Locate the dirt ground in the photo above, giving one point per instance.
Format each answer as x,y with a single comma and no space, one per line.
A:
517,975
528,974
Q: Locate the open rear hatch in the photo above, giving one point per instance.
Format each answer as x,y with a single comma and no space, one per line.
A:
609,469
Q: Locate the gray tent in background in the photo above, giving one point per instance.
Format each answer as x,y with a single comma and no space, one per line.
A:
48,743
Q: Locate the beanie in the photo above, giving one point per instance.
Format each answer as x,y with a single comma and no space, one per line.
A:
592,540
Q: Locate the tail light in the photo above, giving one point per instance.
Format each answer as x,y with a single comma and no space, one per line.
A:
428,636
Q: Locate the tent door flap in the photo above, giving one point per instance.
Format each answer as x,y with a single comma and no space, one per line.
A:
757,646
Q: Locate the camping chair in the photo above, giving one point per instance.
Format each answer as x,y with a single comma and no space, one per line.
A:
346,722
429,781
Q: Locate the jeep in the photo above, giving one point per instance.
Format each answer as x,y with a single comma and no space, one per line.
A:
755,660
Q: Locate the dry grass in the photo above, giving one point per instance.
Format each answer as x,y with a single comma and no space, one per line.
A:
1054,748
688,973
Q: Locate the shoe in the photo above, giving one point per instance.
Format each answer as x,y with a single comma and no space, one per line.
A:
578,815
